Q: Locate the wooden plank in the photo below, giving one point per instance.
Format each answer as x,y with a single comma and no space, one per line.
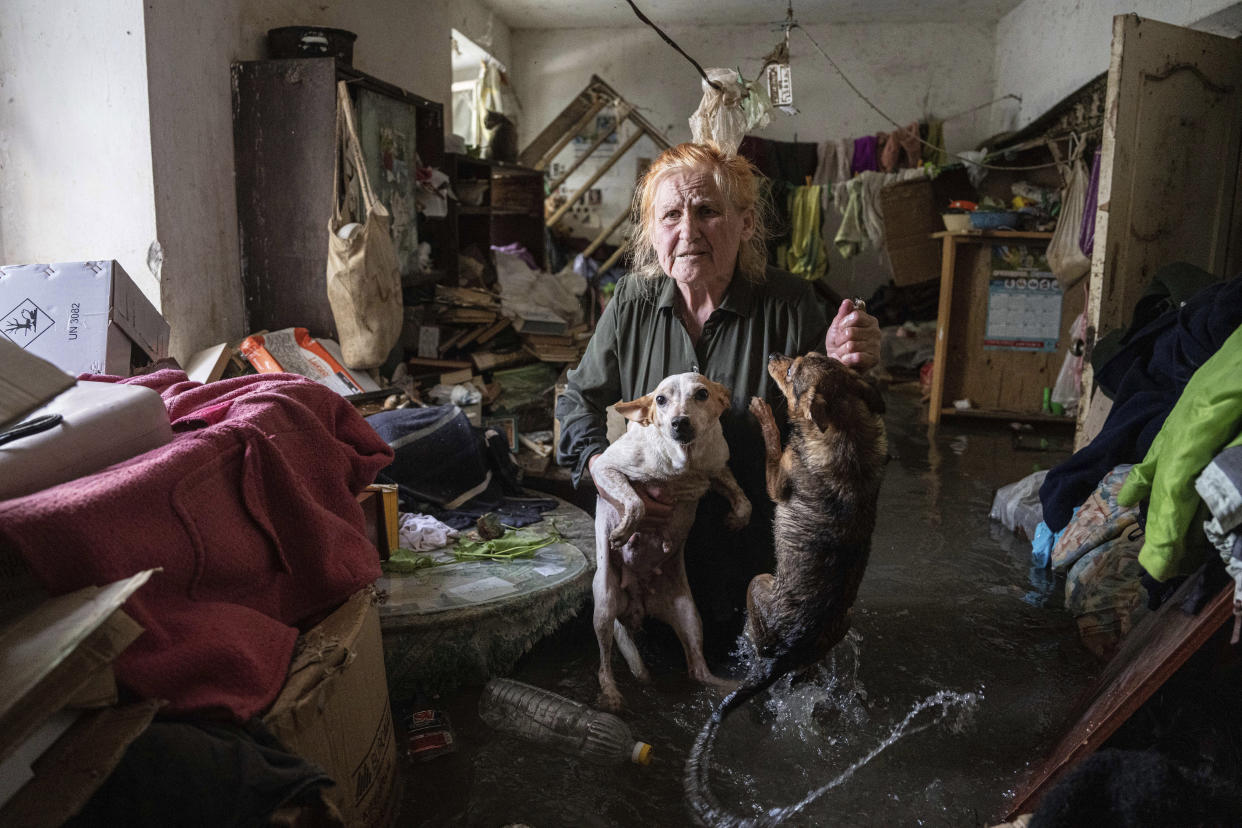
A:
948,264
1152,652
1175,92
578,162
604,234
595,176
569,134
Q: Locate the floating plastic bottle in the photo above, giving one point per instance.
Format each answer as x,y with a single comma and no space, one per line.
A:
543,716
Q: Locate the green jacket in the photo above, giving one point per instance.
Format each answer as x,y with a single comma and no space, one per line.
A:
1207,416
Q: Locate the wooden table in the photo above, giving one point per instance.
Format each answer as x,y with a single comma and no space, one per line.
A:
1001,384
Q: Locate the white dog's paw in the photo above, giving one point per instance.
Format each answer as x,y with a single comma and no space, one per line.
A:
627,527
609,699
739,517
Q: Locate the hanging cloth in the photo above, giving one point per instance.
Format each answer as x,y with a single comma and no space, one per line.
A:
935,154
850,236
865,149
806,246
890,151
911,148
1086,236
845,158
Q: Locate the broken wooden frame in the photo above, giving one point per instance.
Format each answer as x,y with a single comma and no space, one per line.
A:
570,124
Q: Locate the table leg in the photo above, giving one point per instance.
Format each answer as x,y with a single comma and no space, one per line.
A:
948,262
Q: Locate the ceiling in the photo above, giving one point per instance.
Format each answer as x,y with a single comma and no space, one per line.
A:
575,14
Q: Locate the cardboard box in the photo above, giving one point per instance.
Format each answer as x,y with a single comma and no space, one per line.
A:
83,317
58,655
334,711
910,217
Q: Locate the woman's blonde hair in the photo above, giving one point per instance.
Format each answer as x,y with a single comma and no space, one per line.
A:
738,181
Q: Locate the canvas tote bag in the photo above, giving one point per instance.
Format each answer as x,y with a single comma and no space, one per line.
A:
364,282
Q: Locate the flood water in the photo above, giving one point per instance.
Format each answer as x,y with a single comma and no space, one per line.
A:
949,604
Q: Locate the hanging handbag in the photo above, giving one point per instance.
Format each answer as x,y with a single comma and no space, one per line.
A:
364,282
1065,257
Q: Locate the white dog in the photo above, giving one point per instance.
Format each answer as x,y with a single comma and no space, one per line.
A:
673,442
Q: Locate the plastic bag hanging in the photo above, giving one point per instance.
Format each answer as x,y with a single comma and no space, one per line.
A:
725,115
1065,257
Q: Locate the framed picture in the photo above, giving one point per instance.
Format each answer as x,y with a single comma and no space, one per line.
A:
386,132
506,426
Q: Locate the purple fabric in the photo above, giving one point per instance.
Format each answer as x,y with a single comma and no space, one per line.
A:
865,155
1086,234
516,249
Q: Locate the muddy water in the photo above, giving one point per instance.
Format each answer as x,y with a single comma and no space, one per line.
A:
949,603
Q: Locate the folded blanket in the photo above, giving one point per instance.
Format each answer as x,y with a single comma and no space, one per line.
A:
251,514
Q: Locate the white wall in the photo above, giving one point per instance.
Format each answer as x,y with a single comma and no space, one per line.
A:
909,71
75,150
1046,49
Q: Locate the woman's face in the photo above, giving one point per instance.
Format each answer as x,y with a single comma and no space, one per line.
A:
696,232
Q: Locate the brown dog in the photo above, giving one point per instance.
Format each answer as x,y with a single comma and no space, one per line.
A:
825,485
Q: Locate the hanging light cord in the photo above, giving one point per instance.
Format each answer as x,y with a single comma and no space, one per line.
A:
713,84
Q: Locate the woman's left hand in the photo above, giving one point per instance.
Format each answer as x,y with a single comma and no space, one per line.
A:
854,337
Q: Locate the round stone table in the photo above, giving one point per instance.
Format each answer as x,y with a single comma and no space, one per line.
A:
461,624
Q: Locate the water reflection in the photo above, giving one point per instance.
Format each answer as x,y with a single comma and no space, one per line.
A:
950,618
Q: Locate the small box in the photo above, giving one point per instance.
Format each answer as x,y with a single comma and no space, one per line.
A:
334,711
83,317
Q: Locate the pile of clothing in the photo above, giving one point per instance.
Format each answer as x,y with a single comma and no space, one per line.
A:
1125,516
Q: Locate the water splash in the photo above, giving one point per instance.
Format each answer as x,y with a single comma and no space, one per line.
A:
956,708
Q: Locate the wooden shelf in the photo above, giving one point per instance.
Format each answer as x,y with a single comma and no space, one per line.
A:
985,235
1007,416
1002,384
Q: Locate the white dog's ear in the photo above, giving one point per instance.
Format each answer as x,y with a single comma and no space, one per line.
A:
638,411
720,394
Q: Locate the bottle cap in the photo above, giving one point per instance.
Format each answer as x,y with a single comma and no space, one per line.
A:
641,754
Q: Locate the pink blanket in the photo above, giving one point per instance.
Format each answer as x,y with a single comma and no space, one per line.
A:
251,513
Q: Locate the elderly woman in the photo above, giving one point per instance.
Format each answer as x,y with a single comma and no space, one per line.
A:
701,298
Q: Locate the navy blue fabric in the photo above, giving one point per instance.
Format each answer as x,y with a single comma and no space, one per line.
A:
1147,376
438,456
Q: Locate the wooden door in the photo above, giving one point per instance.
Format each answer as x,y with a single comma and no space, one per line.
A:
1169,172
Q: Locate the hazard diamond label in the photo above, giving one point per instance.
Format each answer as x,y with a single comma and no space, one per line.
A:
25,323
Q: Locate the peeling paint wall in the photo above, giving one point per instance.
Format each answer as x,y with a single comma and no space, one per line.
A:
75,150
908,71
1046,49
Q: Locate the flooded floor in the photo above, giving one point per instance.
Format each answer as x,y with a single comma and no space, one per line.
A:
949,603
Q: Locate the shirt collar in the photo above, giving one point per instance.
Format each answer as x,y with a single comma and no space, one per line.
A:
739,298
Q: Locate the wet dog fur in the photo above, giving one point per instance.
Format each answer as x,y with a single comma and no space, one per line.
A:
825,484
673,441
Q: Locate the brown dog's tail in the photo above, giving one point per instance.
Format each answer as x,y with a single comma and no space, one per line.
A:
704,806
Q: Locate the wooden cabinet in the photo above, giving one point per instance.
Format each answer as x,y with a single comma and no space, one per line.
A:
1170,177
498,204
999,381
284,121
